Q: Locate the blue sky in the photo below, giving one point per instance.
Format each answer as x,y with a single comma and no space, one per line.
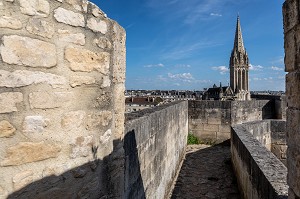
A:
177,44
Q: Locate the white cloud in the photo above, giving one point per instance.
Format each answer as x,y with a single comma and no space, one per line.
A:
182,66
255,67
260,79
215,14
279,60
268,78
181,76
160,65
162,78
222,69
256,79
276,68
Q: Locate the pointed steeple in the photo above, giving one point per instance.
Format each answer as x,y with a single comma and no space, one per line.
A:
239,66
238,40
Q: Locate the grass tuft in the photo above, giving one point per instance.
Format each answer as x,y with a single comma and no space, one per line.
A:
192,139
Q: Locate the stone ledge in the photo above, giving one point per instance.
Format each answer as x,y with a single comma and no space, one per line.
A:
146,112
259,172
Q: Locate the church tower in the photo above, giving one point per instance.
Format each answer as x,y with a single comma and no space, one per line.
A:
239,66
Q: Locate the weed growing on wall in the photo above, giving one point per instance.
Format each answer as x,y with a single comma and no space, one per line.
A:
192,139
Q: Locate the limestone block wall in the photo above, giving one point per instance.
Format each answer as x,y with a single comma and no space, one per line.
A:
154,144
260,174
261,131
278,140
211,120
271,134
62,73
291,44
280,108
280,104
246,111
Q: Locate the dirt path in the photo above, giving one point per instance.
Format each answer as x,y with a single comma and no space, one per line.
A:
206,173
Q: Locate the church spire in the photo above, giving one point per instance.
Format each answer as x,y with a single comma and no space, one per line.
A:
239,66
238,40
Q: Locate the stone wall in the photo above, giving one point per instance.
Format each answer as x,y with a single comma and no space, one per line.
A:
271,134
259,172
154,144
246,111
280,103
291,23
211,120
278,140
261,131
61,100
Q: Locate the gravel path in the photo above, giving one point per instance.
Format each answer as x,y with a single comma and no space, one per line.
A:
206,173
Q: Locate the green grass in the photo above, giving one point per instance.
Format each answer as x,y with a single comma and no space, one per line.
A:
194,140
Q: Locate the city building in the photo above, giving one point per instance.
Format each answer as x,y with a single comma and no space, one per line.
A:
219,93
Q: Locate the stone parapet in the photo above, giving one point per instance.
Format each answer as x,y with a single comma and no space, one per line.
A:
259,172
211,120
154,144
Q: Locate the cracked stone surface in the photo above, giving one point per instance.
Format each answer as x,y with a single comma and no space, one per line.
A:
206,173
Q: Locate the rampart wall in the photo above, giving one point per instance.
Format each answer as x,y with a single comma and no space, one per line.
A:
154,144
211,120
280,104
271,134
62,73
291,26
259,172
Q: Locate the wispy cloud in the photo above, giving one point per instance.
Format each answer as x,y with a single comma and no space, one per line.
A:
160,65
255,67
222,69
191,12
182,66
215,14
278,61
129,26
172,2
181,51
181,76
276,68
263,78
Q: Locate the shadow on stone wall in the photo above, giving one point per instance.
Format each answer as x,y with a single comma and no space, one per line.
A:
100,178
134,186
268,110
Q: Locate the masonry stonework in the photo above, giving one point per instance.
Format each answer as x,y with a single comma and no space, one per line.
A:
62,73
154,144
292,45
211,120
259,173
